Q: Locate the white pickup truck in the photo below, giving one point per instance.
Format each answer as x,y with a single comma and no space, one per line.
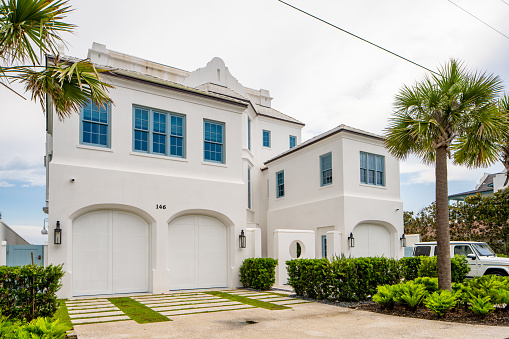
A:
480,256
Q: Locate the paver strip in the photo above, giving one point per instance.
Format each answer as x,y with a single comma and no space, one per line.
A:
204,310
93,311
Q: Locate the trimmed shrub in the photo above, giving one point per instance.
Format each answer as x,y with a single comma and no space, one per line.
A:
481,305
258,273
459,268
409,267
28,292
341,279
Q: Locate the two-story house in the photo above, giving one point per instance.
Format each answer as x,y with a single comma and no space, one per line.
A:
155,191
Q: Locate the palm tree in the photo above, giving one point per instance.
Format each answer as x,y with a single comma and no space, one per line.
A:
29,29
452,113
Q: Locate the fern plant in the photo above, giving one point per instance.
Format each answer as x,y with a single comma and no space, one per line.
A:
384,296
441,302
481,305
431,284
411,294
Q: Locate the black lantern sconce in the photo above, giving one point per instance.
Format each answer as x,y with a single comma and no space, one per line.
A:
242,240
58,234
402,240
351,240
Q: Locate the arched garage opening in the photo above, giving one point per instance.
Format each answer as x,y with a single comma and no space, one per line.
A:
197,252
110,253
372,240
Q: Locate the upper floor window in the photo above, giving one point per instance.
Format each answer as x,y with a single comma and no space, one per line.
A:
213,141
326,169
249,187
293,141
266,138
248,133
95,125
372,169
280,184
158,132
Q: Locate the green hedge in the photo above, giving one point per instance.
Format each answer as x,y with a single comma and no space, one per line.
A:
341,279
355,279
258,273
28,292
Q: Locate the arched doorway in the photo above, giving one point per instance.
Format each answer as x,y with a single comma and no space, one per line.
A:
110,253
371,240
197,252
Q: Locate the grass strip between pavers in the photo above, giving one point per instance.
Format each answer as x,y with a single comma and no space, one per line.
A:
63,315
137,311
248,301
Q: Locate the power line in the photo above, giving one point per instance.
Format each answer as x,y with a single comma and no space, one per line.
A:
358,37
464,10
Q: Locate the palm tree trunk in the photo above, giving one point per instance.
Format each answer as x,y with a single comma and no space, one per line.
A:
442,220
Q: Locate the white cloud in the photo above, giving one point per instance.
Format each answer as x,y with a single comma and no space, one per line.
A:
5,184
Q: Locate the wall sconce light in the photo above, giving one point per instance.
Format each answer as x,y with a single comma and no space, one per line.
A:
402,240
44,231
351,240
58,234
242,240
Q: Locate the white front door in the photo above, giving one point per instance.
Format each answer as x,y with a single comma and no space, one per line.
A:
197,252
110,253
371,241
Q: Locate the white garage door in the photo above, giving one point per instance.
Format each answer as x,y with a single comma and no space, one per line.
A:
371,241
110,253
197,252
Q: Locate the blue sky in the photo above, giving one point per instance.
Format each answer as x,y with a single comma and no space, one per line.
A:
315,73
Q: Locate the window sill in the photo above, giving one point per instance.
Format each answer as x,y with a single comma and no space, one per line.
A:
94,148
265,147
373,186
213,164
156,156
326,186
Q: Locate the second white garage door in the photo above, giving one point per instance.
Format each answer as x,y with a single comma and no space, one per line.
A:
197,252
372,241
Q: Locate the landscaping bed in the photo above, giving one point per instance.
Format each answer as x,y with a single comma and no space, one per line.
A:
460,315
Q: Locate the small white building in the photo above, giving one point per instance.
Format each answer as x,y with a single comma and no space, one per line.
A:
152,192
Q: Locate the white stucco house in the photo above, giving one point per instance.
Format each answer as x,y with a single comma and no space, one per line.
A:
152,192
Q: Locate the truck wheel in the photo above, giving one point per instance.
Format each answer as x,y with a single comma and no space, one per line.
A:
499,273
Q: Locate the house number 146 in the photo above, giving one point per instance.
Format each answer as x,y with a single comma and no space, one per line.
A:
160,207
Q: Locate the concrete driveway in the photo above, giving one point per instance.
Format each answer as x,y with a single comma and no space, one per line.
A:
302,321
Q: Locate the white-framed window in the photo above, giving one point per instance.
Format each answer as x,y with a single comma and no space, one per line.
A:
326,169
249,187
266,138
324,246
95,125
248,133
372,169
280,184
293,141
213,141
158,132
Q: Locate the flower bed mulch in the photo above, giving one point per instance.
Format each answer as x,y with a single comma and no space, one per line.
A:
459,315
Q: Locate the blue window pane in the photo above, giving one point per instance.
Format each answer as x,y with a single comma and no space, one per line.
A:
141,141
87,113
159,143
160,123
176,146
293,141
266,138
141,119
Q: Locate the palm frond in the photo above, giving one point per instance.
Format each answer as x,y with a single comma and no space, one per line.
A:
70,87
29,27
